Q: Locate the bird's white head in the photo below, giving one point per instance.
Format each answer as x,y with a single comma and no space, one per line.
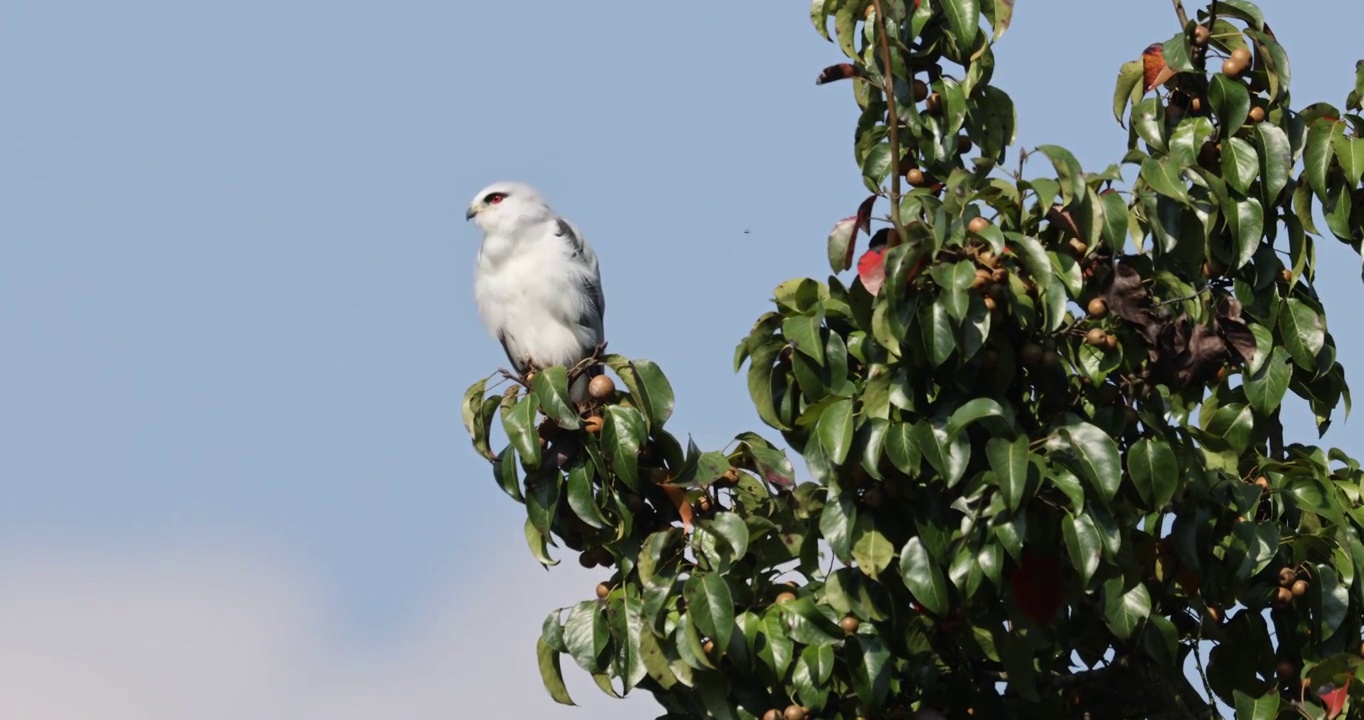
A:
504,207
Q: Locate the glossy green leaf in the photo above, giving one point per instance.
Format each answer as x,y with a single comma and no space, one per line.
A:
802,331
1009,460
1266,387
710,605
1231,101
1317,155
1129,79
1083,545
835,429
963,19
1240,164
519,424
1166,178
551,674
1125,610
1154,470
1276,160
1248,227
551,392
1303,332
923,577
1096,457
1265,707
871,550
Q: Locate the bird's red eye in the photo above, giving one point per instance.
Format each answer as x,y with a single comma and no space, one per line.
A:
494,198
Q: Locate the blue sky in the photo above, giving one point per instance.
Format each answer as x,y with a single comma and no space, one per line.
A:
236,303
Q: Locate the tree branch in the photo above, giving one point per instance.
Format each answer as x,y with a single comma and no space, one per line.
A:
1183,16
892,118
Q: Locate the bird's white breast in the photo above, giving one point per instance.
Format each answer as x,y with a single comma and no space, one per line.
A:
530,291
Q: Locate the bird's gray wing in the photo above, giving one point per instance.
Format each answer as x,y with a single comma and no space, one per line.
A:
596,310
518,364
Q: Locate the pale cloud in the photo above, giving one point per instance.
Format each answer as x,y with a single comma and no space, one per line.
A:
207,634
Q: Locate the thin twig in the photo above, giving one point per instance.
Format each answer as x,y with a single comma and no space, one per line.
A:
1183,16
888,79
1207,686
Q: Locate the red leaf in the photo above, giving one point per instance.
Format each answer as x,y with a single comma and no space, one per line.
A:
864,213
871,269
1335,700
1153,68
841,71
1038,585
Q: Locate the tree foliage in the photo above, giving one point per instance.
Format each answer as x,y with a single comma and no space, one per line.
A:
1042,418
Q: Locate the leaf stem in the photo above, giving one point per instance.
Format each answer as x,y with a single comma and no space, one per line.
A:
888,79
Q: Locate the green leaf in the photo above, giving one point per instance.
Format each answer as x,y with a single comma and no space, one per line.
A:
1009,460
802,331
581,497
1244,10
1317,155
1267,386
710,605
963,19
1166,178
1000,13
551,392
1068,171
1303,332
971,411
627,624
1083,544
650,387
623,433
807,624
869,662
811,674
519,424
902,449
1240,163
1129,78
542,497
940,338
876,166
836,522
586,634
1097,456
538,544
551,674
924,577
1265,707
1115,216
1231,101
872,551
1276,160
1039,268
835,429
504,468
1154,470
760,371
1248,227
1349,153
948,457
1125,611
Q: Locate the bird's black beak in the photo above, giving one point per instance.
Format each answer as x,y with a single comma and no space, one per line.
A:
469,214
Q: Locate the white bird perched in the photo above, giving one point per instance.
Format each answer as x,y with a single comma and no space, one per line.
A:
537,283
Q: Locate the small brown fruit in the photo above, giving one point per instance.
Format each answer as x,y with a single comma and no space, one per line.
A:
785,597
1096,337
1287,576
603,590
1111,342
988,258
708,647
593,424
1078,247
587,560
1231,68
773,714
1282,597
963,144
849,624
1241,56
1201,35
915,177
1287,276
1263,482
933,104
1257,114
920,90
1031,354
874,498
1196,105
1097,308
1286,670
1050,359
990,303
977,225
794,712
601,387
999,274
1299,588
